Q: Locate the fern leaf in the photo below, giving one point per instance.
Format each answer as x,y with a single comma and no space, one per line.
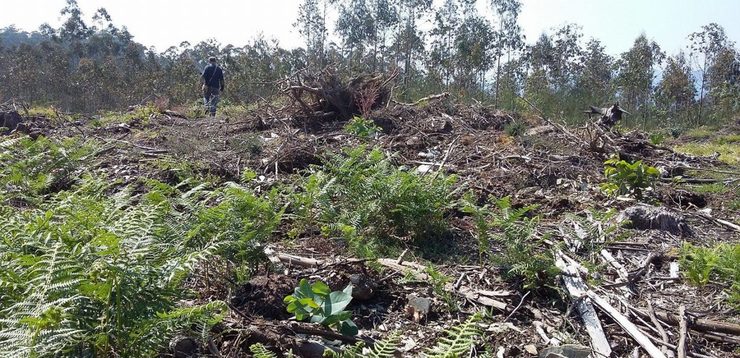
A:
459,340
260,351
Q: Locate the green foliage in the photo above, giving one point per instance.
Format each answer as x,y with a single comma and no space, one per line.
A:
137,115
233,227
317,303
624,178
363,198
657,138
729,152
385,348
512,229
90,273
515,128
259,351
459,339
481,218
520,258
32,168
700,264
439,282
361,127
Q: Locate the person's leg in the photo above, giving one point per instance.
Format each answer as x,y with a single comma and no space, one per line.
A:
207,99
215,97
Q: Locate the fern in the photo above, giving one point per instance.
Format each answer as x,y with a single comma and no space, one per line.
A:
364,198
92,274
260,351
459,340
385,348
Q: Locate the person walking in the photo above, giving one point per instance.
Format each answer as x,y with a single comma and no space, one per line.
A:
213,85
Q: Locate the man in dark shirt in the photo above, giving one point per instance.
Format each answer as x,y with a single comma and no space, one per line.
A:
213,85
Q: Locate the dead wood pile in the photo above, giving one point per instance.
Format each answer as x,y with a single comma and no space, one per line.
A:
325,95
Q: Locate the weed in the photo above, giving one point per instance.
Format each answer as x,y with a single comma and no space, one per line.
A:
317,303
729,152
657,138
714,188
30,168
515,128
624,178
439,282
510,227
361,127
700,264
363,198
90,272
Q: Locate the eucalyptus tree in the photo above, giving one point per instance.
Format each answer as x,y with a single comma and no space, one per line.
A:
440,59
676,92
594,81
311,25
508,34
408,45
706,47
637,75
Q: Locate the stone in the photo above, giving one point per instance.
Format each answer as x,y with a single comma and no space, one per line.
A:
362,287
10,120
566,350
531,349
646,217
183,347
418,307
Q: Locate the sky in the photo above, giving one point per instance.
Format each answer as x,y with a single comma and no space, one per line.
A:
165,23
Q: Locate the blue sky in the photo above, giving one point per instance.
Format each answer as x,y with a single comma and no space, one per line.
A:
162,23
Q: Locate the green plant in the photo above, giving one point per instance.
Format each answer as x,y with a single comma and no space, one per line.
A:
515,128
95,272
260,351
30,169
385,348
657,138
700,264
520,258
361,127
624,178
317,303
439,286
481,218
363,198
459,339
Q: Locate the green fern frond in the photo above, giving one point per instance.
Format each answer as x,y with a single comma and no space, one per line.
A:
459,340
260,351
386,348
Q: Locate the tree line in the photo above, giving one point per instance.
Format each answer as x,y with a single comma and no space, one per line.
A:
448,46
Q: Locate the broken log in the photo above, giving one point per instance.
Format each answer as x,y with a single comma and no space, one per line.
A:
682,328
577,288
626,325
701,324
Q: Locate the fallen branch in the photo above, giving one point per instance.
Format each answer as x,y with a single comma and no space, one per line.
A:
577,288
626,325
700,325
683,327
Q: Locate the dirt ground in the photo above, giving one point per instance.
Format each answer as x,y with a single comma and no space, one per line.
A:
559,171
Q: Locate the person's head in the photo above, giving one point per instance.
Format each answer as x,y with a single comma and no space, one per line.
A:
212,59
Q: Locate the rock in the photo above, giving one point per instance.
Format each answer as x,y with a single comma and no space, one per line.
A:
423,169
418,307
183,347
311,349
566,350
531,349
645,217
10,120
362,287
